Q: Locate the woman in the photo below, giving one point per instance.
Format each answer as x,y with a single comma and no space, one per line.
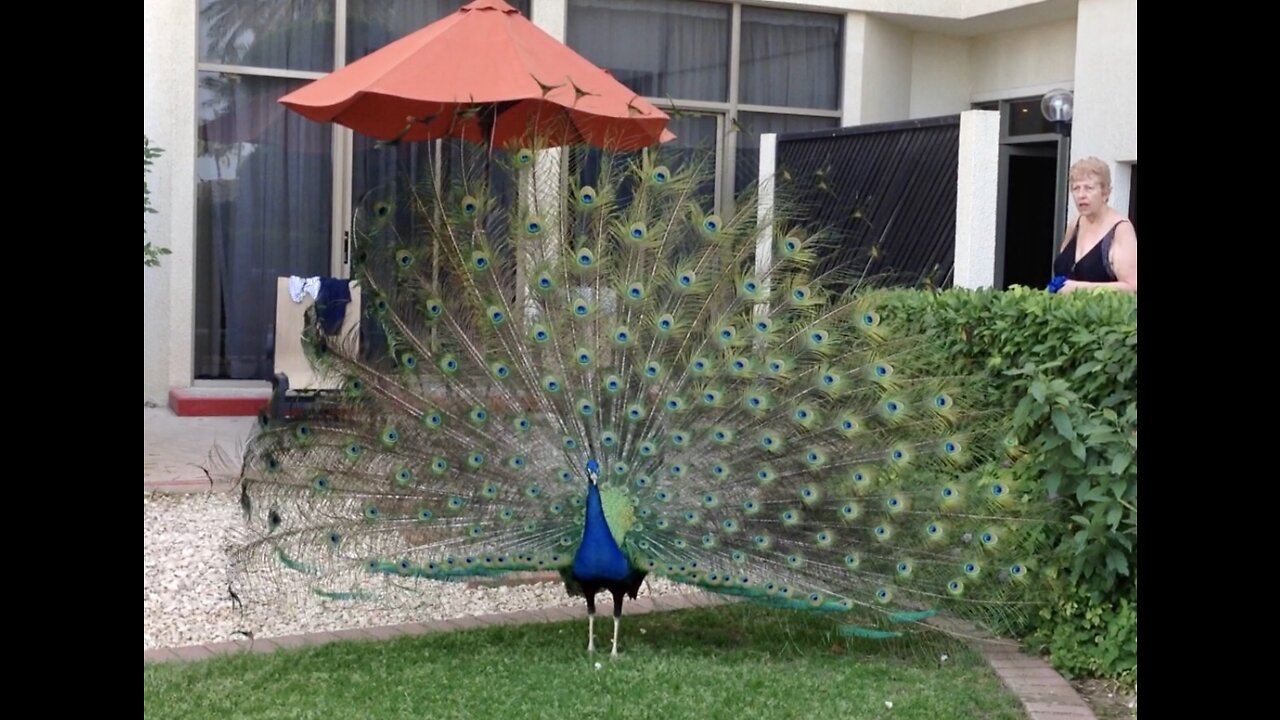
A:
1101,250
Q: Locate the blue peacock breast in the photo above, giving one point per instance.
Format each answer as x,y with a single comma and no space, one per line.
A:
598,559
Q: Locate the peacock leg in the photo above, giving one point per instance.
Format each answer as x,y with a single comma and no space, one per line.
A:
591,623
617,618
615,637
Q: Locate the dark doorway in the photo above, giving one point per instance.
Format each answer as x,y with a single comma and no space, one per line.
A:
1029,175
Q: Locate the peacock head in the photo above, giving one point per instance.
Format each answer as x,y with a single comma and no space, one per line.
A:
593,470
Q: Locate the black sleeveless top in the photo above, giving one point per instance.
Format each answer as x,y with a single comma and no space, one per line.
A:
1095,266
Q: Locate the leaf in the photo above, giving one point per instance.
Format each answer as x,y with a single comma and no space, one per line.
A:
1095,495
1063,424
1116,562
1119,487
1021,412
1077,449
1120,462
1113,516
1038,390
1085,369
1052,481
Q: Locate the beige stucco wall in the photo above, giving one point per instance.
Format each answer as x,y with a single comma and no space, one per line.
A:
924,8
877,79
169,106
1106,94
940,75
1027,61
977,191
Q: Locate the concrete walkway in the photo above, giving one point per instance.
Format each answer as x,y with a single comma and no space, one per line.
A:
176,453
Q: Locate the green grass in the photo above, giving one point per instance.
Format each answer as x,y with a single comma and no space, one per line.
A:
726,662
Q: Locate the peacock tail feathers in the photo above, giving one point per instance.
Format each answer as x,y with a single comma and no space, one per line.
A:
759,433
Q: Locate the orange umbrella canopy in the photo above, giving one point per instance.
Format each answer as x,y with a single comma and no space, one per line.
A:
484,74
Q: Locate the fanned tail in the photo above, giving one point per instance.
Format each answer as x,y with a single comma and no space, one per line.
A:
761,431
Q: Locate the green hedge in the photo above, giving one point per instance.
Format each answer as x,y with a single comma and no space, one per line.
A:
1064,367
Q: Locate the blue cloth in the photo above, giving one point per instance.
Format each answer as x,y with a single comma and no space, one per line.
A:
331,303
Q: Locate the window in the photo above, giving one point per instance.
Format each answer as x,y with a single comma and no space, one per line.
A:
276,191
679,54
268,182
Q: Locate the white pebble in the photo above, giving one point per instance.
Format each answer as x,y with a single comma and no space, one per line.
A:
185,537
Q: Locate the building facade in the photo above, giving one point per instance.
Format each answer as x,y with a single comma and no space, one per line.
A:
246,191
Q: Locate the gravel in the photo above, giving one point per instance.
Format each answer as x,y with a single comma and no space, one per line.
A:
185,599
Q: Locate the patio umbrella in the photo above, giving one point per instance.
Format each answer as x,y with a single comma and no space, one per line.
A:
484,74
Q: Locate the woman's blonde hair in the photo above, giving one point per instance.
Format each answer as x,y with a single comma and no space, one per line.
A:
1091,166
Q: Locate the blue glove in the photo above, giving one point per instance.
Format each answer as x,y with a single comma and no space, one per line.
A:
1056,284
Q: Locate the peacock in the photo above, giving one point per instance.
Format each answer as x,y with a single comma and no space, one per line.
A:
570,362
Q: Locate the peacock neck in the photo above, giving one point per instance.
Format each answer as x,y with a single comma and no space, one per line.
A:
599,558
